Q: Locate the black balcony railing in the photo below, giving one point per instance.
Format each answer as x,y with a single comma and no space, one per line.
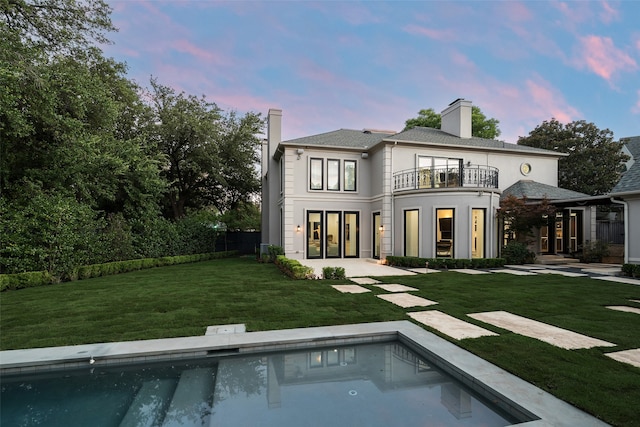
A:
476,176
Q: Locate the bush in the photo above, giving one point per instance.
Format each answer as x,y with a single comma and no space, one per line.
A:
631,270
518,253
274,252
440,263
40,278
25,280
594,251
333,273
293,268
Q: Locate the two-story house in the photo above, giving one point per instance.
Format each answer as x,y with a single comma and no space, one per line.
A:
421,192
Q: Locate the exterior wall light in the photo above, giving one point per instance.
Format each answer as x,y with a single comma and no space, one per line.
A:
381,228
299,152
298,228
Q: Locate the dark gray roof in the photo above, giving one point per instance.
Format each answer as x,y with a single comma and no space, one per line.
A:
350,138
437,136
630,181
342,138
537,191
633,145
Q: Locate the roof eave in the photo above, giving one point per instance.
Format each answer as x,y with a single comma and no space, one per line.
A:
548,153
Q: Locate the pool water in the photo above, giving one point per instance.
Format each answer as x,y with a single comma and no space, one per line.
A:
381,384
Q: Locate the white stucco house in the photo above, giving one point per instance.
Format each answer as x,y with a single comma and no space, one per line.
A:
628,192
421,192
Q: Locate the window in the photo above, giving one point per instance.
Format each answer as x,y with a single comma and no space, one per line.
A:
316,178
477,233
314,234
444,233
349,175
411,233
333,175
333,234
436,172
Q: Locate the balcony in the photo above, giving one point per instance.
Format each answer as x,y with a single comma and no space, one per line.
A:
471,176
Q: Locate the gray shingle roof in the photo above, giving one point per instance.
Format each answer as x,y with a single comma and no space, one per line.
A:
633,145
342,138
350,138
630,181
533,190
437,136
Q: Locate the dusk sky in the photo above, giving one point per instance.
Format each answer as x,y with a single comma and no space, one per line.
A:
374,64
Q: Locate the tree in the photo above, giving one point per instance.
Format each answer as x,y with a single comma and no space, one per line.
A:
211,156
521,217
595,162
481,127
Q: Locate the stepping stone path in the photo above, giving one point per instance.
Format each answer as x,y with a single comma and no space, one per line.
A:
515,272
470,271
459,329
396,288
407,300
624,308
350,289
449,325
541,331
364,280
632,357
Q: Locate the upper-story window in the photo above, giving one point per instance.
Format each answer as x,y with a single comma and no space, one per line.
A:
316,178
349,175
333,175
341,175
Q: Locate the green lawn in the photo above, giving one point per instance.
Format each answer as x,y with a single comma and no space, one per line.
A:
183,300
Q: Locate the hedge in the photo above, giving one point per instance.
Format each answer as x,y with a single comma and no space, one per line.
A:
415,262
293,268
42,278
631,270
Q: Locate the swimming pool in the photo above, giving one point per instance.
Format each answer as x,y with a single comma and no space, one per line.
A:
379,384
275,379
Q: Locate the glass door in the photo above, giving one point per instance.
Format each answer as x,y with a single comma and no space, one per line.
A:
333,236
314,234
559,233
351,234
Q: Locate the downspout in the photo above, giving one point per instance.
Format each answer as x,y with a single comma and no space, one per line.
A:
491,225
393,207
626,227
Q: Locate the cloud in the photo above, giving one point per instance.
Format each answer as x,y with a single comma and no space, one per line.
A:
636,108
608,14
549,101
442,35
600,56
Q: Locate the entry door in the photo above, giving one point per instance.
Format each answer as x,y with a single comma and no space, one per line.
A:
559,233
376,235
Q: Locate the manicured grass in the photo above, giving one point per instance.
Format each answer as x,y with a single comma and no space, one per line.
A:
183,300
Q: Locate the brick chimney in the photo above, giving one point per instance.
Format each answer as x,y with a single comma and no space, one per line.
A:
456,118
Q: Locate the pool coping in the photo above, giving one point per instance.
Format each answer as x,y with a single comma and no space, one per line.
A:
482,376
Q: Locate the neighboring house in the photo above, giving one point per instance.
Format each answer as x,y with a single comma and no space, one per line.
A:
628,190
421,192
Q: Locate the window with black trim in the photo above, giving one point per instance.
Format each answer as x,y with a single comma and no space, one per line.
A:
350,175
333,175
316,176
444,232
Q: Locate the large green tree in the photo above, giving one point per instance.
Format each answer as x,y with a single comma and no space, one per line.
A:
481,126
210,155
595,161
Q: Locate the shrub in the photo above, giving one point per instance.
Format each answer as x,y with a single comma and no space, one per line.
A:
274,252
39,278
518,253
333,273
293,268
594,251
631,270
438,263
